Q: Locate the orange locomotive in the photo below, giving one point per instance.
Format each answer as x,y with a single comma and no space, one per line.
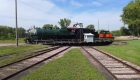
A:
105,34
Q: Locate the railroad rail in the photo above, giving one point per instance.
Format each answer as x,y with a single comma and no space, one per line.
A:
11,70
117,68
38,52
32,52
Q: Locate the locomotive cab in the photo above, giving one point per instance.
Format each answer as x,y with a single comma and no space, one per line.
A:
105,34
72,30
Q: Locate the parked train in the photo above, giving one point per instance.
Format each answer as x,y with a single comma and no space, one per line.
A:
67,35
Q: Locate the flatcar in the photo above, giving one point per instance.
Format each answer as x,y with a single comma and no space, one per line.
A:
67,35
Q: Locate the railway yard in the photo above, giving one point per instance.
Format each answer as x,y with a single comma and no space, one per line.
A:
70,40
63,62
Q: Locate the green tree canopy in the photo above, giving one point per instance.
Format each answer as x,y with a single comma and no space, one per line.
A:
21,32
124,31
47,25
8,33
91,26
131,15
55,27
116,32
64,22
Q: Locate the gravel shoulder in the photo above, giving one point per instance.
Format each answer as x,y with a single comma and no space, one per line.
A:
10,44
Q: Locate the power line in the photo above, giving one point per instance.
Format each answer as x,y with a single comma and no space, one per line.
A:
39,9
45,11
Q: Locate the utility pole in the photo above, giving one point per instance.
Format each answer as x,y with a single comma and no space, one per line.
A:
108,25
98,25
16,23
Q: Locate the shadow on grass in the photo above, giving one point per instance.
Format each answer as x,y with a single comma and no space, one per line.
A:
125,40
82,44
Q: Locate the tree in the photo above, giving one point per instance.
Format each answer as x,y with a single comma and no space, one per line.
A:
132,30
55,27
47,25
124,31
116,32
91,26
21,32
64,22
131,15
8,33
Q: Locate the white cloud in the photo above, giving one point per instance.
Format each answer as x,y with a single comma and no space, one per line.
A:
28,16
63,1
76,3
96,3
104,17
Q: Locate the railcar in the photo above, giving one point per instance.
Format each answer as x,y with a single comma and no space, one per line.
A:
67,35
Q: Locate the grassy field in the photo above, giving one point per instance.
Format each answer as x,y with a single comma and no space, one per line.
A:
129,52
21,40
72,66
6,50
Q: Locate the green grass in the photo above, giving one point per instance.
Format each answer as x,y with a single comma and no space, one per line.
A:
6,50
21,40
72,66
130,52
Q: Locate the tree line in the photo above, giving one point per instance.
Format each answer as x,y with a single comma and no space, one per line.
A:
122,32
63,24
9,33
131,17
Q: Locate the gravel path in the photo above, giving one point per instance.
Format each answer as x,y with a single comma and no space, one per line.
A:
10,44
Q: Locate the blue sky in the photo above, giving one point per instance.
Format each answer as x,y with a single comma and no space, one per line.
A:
51,11
85,5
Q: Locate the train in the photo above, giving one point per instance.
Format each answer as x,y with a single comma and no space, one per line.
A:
68,35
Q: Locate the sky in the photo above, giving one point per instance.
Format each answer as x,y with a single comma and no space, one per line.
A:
40,12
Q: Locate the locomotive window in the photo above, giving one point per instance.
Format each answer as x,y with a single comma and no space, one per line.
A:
107,32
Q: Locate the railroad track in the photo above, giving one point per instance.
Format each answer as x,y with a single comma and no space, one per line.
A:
11,70
3,57
34,53
117,68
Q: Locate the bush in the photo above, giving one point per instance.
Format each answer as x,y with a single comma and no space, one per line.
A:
3,38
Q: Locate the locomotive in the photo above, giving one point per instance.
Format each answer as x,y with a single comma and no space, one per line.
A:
67,35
